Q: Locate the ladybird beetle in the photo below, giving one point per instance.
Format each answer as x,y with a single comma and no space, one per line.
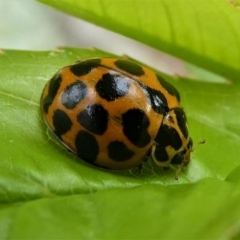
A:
114,113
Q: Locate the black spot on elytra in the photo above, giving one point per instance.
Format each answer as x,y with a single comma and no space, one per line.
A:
168,136
54,85
182,121
118,151
135,127
84,67
62,123
129,67
112,86
87,146
156,99
94,118
73,94
169,87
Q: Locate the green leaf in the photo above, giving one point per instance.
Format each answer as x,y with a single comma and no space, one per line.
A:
47,193
144,212
202,32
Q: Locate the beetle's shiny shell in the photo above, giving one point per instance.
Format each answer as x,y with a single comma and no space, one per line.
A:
108,111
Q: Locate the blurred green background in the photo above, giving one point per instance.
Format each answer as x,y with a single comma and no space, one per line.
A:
50,28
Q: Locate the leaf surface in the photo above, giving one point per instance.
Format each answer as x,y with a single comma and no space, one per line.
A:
202,32
43,183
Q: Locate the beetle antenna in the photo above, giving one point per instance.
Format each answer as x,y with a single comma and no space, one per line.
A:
178,171
200,142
